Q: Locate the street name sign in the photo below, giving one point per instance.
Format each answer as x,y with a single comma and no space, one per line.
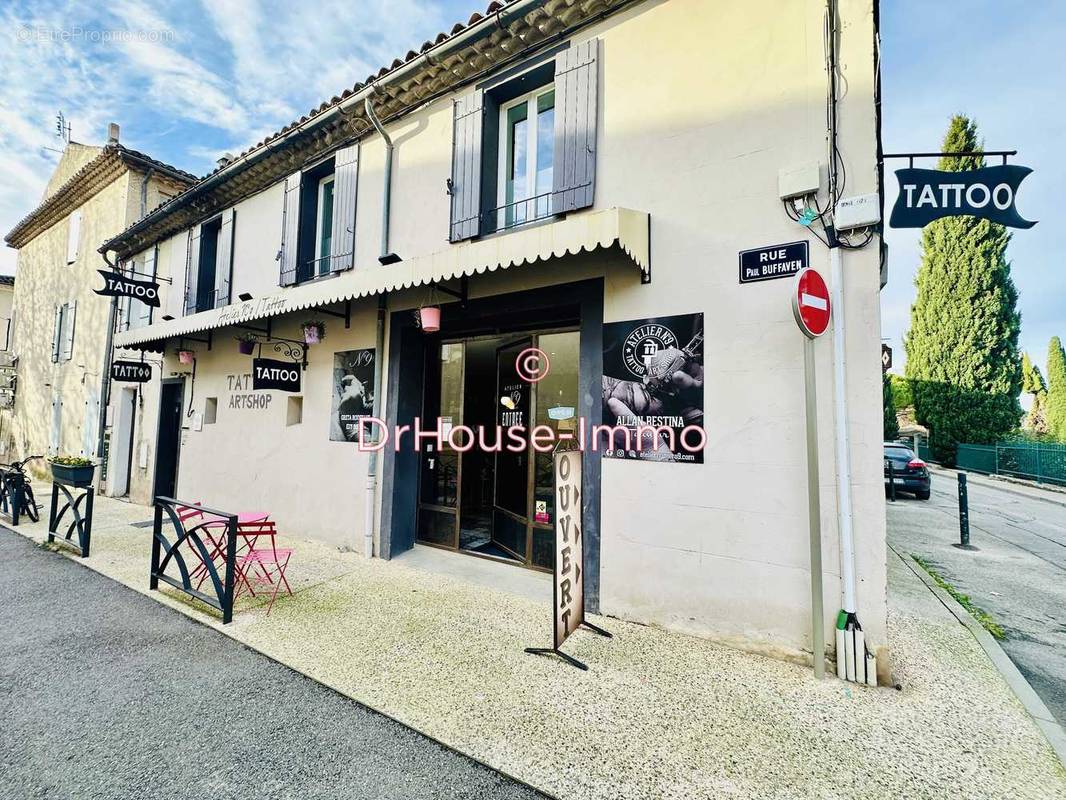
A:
773,261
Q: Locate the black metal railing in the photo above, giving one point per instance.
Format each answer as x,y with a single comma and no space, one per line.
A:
210,526
81,524
12,493
517,213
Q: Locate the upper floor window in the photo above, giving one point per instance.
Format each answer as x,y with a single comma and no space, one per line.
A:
527,151
63,332
209,267
133,313
524,144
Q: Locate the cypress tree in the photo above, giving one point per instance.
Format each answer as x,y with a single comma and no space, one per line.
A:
1033,383
889,403
962,346
1056,389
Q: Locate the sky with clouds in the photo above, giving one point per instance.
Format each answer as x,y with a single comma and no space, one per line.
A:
188,81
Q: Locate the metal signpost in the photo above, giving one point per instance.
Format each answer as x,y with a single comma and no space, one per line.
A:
811,306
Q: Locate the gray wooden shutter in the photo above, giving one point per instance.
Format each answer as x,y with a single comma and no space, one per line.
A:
150,260
574,170
345,191
192,270
468,113
224,258
290,229
69,317
57,334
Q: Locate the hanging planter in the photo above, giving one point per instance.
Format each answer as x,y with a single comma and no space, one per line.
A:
72,469
246,344
429,319
186,356
314,331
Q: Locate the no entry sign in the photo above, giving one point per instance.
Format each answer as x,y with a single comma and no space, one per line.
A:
810,303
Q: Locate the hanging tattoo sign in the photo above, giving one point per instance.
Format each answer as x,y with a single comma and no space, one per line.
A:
930,194
131,371
118,285
282,376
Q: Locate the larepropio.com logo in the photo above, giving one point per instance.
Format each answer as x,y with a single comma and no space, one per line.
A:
642,344
532,365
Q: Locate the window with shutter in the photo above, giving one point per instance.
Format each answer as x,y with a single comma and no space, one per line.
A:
224,258
151,258
290,230
73,236
57,333
70,312
345,189
467,120
576,89
192,270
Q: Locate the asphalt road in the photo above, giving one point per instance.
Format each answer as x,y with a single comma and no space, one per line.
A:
1017,574
104,693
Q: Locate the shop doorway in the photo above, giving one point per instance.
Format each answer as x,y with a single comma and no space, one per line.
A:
492,501
168,442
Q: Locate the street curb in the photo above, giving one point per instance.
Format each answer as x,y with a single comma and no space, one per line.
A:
1008,486
1025,693
219,629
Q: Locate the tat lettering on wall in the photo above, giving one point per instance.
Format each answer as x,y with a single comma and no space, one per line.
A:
241,396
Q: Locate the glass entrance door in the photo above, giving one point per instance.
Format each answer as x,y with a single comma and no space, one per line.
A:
438,500
510,512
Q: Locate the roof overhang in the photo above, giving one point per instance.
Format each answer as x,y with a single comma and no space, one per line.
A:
623,228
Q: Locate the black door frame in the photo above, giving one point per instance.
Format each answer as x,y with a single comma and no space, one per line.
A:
180,382
581,303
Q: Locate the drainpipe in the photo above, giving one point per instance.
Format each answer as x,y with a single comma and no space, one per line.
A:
105,383
386,257
372,469
144,191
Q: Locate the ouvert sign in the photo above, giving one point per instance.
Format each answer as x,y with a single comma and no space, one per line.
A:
930,194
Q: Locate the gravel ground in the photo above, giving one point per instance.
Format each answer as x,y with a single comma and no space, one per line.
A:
658,715
1017,574
107,694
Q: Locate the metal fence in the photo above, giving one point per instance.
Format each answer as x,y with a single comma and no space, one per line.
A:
1036,461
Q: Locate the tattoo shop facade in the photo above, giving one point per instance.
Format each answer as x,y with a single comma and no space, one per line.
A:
569,179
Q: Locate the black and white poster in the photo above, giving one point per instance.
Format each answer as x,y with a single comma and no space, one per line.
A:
653,389
353,395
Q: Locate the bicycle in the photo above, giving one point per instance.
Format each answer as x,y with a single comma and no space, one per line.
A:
29,505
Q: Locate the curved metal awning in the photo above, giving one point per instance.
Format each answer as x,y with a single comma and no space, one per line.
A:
583,232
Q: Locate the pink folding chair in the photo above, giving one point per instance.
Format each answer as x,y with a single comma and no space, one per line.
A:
263,564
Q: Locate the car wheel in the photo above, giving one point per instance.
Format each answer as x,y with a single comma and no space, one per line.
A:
922,495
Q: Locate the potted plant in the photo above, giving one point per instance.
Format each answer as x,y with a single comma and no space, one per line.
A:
186,356
314,331
72,469
429,318
246,343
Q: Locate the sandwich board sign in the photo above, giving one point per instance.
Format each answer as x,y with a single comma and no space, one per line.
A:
568,578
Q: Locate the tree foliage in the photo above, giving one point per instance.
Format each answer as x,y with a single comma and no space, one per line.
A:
1056,390
889,403
962,347
902,396
1033,384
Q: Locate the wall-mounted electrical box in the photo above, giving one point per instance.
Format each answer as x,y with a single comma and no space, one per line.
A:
799,180
857,212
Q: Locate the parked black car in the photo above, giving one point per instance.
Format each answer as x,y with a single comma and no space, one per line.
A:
910,474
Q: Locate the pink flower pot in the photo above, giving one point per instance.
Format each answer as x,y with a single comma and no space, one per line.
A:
311,335
429,318
186,356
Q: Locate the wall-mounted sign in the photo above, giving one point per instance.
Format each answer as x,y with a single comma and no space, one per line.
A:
268,373
886,358
353,394
774,261
131,371
117,285
653,377
569,546
929,194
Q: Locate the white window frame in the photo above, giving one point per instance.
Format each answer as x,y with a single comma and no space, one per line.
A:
530,100
73,236
320,221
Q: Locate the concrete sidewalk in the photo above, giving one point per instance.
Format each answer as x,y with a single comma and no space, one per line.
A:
658,714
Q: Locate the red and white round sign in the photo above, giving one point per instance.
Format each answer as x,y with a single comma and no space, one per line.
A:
810,303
